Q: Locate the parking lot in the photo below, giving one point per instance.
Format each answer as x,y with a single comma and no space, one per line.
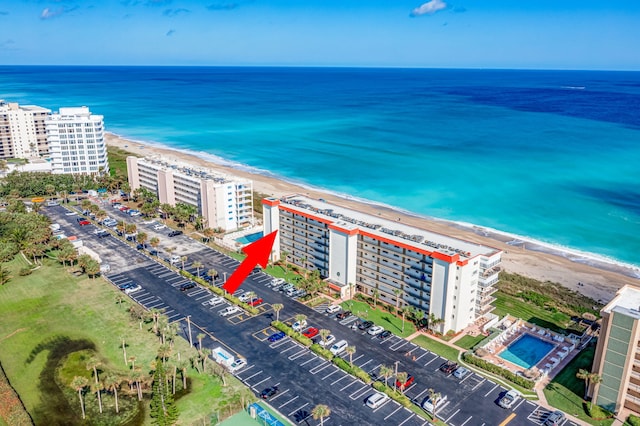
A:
304,380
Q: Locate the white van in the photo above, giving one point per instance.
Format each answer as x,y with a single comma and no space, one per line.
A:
377,399
332,309
298,326
339,347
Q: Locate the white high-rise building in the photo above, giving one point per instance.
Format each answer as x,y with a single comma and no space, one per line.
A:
76,142
223,201
22,130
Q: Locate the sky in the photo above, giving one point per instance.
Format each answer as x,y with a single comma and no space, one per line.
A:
536,34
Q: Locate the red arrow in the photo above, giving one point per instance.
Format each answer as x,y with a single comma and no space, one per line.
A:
258,253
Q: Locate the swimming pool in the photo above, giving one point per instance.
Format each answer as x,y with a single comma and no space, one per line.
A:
247,239
527,351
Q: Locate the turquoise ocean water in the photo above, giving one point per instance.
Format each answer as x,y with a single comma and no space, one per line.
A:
548,155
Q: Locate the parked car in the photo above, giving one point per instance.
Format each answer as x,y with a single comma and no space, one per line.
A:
365,325
141,246
158,227
187,286
103,234
174,233
327,343
343,315
132,289
237,365
375,330
555,419
153,252
299,325
124,286
448,367
428,404
291,292
269,392
84,222
384,335
277,336
174,259
339,347
460,372
230,310
278,286
277,281
406,384
332,309
255,302
245,297
216,300
509,398
376,400
311,332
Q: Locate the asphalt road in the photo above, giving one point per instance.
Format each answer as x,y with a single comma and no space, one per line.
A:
304,379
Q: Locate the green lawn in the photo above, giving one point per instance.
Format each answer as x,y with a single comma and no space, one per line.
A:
117,161
437,347
565,391
378,316
51,309
468,342
506,304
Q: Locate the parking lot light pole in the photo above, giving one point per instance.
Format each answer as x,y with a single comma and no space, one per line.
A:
190,338
225,277
396,363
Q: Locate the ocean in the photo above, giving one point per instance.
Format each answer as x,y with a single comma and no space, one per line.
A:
548,155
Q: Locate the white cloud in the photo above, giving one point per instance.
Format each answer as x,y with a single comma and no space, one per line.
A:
429,8
48,13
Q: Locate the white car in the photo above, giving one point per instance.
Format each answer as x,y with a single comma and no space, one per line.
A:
174,259
377,399
229,311
71,214
330,339
216,300
133,289
428,404
509,399
460,372
237,365
277,281
135,213
117,206
245,297
339,347
332,309
375,330
158,227
149,222
299,325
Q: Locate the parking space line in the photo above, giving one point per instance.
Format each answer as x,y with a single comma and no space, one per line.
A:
336,381
166,274
289,348
357,394
466,421
159,303
308,361
289,401
432,361
394,411
418,359
478,385
247,378
194,293
279,395
398,347
366,363
299,408
203,297
262,381
518,404
320,369
355,381
417,397
331,374
468,375
275,345
408,418
177,314
450,417
146,299
357,358
298,354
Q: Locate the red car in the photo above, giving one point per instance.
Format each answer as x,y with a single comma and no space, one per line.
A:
124,208
406,384
84,222
311,332
256,302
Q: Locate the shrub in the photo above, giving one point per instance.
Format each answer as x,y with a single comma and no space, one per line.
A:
25,271
633,420
355,370
596,412
278,325
319,350
395,395
492,368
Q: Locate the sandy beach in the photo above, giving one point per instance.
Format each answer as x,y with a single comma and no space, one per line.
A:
600,279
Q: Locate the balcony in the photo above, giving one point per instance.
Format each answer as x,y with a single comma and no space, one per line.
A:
484,310
487,291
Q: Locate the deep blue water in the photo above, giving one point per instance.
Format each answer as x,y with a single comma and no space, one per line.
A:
552,155
527,351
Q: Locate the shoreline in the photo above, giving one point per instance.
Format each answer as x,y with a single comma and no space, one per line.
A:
588,274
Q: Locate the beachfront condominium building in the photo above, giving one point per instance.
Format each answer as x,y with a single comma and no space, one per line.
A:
617,357
223,201
76,142
22,130
446,277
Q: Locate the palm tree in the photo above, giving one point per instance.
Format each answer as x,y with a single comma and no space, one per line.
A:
92,364
121,225
405,311
324,333
386,372
401,378
320,411
375,294
589,378
197,264
397,292
435,398
350,350
154,242
208,233
79,383
183,259
112,383
142,237
212,273
4,275
300,318
200,336
183,366
277,307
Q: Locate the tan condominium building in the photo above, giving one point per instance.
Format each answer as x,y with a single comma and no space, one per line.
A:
617,357
405,266
22,130
223,201
76,142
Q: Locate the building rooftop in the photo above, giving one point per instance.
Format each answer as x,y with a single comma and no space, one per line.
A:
627,297
396,231
192,171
